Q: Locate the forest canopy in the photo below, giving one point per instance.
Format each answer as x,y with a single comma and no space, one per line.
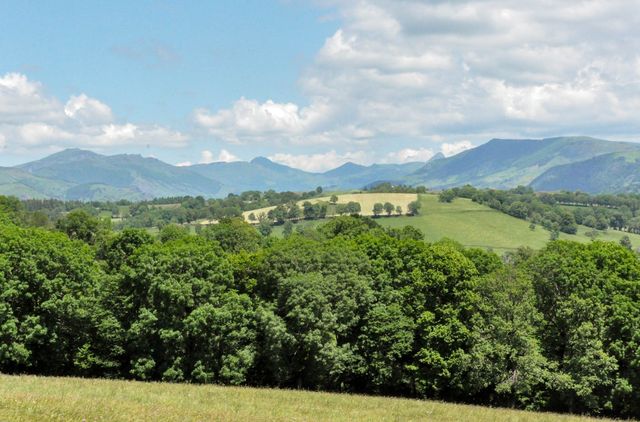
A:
347,306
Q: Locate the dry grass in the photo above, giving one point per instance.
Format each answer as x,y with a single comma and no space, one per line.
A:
28,398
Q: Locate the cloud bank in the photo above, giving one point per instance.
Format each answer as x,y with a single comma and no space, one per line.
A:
31,120
446,75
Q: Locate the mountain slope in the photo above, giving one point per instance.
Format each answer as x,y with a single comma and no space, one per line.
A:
263,174
258,174
354,176
19,183
503,163
95,176
609,173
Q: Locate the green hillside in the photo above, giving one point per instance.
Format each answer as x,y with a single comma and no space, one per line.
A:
22,184
476,225
506,163
610,173
29,398
93,176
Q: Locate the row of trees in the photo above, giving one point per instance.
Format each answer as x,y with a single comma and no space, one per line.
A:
389,209
388,187
344,307
562,211
321,209
157,212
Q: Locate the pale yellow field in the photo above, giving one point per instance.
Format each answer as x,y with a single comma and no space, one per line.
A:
28,398
366,200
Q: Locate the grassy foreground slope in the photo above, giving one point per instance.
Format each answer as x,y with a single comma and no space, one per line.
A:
28,398
476,225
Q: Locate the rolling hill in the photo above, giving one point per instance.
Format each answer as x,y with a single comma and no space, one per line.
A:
506,163
609,173
469,223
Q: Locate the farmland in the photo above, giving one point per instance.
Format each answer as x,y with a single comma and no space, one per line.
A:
366,201
475,225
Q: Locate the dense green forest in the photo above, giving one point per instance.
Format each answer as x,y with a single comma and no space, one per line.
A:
348,306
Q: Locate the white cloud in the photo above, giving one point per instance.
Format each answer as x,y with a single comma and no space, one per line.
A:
329,160
226,156
251,121
32,121
22,100
87,110
184,164
408,155
320,162
207,157
449,149
432,72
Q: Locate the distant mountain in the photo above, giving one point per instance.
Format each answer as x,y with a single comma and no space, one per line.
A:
263,174
22,184
355,176
568,163
85,175
92,176
346,170
609,173
258,174
506,163
437,156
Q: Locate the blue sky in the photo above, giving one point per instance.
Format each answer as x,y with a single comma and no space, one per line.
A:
311,84
155,61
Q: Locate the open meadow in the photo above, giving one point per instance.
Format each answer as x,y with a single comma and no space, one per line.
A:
366,201
29,398
476,225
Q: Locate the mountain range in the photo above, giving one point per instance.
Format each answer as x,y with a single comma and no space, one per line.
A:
562,163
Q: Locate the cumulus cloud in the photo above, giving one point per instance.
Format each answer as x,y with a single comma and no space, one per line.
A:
322,161
408,155
329,160
434,72
31,120
251,121
23,100
87,110
207,157
449,149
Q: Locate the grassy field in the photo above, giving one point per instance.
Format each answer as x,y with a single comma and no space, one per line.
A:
366,200
26,398
476,225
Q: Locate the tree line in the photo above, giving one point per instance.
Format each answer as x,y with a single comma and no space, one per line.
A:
322,209
152,213
348,306
560,211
